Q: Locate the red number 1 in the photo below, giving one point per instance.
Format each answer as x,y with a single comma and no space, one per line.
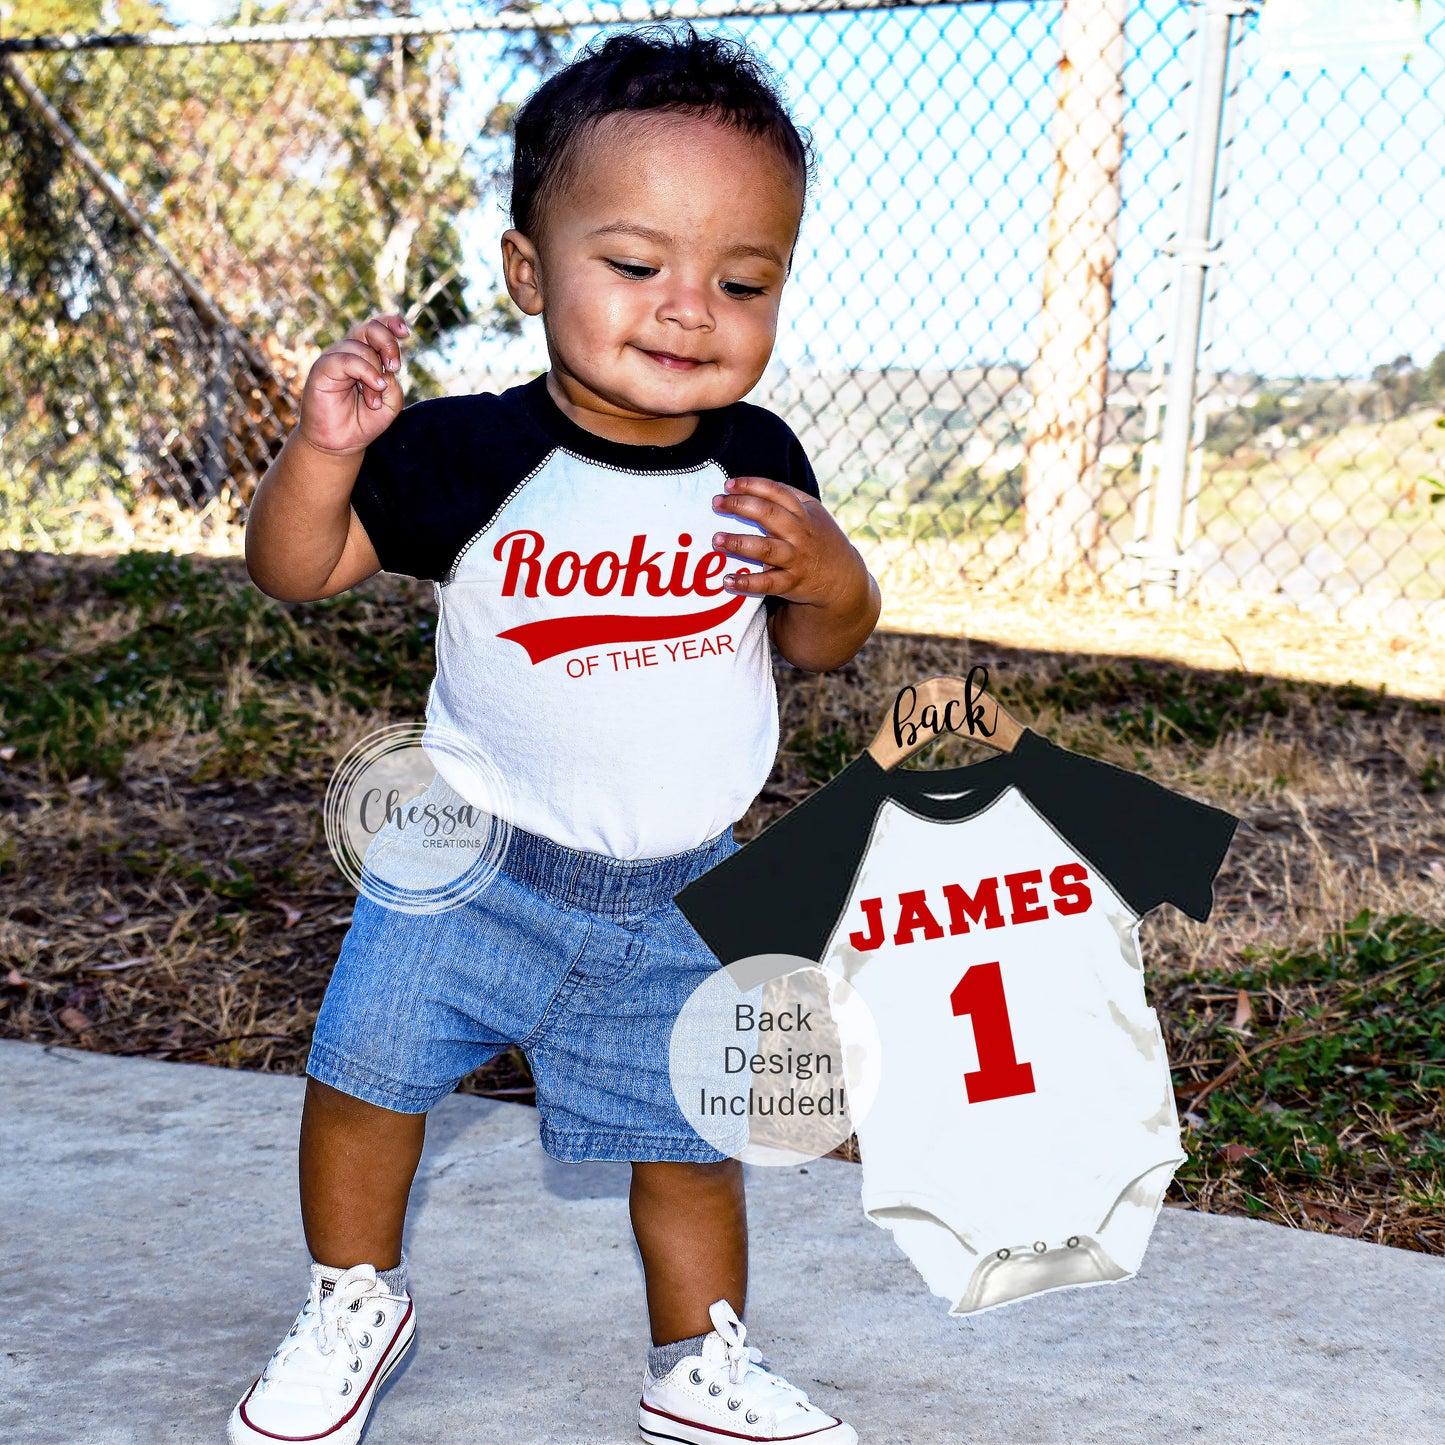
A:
979,993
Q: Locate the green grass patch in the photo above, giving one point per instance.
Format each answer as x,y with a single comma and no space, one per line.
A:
824,755
1154,705
153,641
1338,1078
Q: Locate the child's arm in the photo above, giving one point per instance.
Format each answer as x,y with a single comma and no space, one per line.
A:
303,541
834,601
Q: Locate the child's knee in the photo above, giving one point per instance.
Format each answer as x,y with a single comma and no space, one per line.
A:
331,1107
682,1177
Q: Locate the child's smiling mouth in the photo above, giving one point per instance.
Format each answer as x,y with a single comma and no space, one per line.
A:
673,363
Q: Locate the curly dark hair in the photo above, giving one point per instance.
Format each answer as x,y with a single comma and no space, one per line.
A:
656,68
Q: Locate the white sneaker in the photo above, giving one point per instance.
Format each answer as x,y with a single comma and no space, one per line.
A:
725,1396
322,1380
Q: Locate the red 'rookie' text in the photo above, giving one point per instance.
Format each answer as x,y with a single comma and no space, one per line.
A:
606,572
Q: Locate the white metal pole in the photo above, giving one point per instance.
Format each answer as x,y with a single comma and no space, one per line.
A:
1164,562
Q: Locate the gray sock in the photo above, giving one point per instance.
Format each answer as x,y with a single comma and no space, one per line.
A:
395,1280
662,1358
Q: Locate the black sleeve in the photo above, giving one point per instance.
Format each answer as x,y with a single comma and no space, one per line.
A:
1153,845
784,891
762,444
800,475
402,490
800,469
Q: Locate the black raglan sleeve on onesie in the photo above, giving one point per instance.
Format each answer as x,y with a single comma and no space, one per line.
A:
1153,845
762,444
783,891
436,475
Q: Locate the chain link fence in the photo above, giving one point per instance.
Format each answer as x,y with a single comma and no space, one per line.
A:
978,338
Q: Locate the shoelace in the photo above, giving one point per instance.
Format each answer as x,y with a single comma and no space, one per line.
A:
325,1323
741,1360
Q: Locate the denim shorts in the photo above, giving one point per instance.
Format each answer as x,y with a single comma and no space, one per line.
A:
581,960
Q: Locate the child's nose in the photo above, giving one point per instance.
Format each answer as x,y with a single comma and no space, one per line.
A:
686,302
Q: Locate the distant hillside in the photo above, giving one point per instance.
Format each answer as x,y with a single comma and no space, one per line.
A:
904,428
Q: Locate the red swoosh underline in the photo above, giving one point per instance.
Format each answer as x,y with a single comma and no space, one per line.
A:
551,635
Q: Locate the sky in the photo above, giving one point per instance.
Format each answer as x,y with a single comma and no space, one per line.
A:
923,245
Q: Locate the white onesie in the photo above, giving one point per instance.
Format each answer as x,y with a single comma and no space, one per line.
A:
1024,1130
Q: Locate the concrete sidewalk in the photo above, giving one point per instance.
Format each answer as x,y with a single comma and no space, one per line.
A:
154,1258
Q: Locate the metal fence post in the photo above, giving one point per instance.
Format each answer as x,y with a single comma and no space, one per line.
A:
1163,561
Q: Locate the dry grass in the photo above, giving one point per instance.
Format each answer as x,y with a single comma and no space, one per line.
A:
166,734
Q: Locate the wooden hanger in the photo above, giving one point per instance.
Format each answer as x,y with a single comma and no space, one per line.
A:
961,705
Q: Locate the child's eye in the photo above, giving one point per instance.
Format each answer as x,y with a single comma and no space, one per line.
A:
635,271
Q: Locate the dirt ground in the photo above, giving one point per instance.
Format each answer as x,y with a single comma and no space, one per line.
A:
166,734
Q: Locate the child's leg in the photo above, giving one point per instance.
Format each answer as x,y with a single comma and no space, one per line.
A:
357,1164
691,1225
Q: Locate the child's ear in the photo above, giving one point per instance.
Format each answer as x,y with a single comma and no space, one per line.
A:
522,271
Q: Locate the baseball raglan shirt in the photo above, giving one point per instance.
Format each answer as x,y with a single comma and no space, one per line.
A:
1024,1130
585,642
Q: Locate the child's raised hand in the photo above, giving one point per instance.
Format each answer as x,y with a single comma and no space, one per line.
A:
353,391
805,557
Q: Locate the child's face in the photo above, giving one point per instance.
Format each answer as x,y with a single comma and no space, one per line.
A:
659,272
